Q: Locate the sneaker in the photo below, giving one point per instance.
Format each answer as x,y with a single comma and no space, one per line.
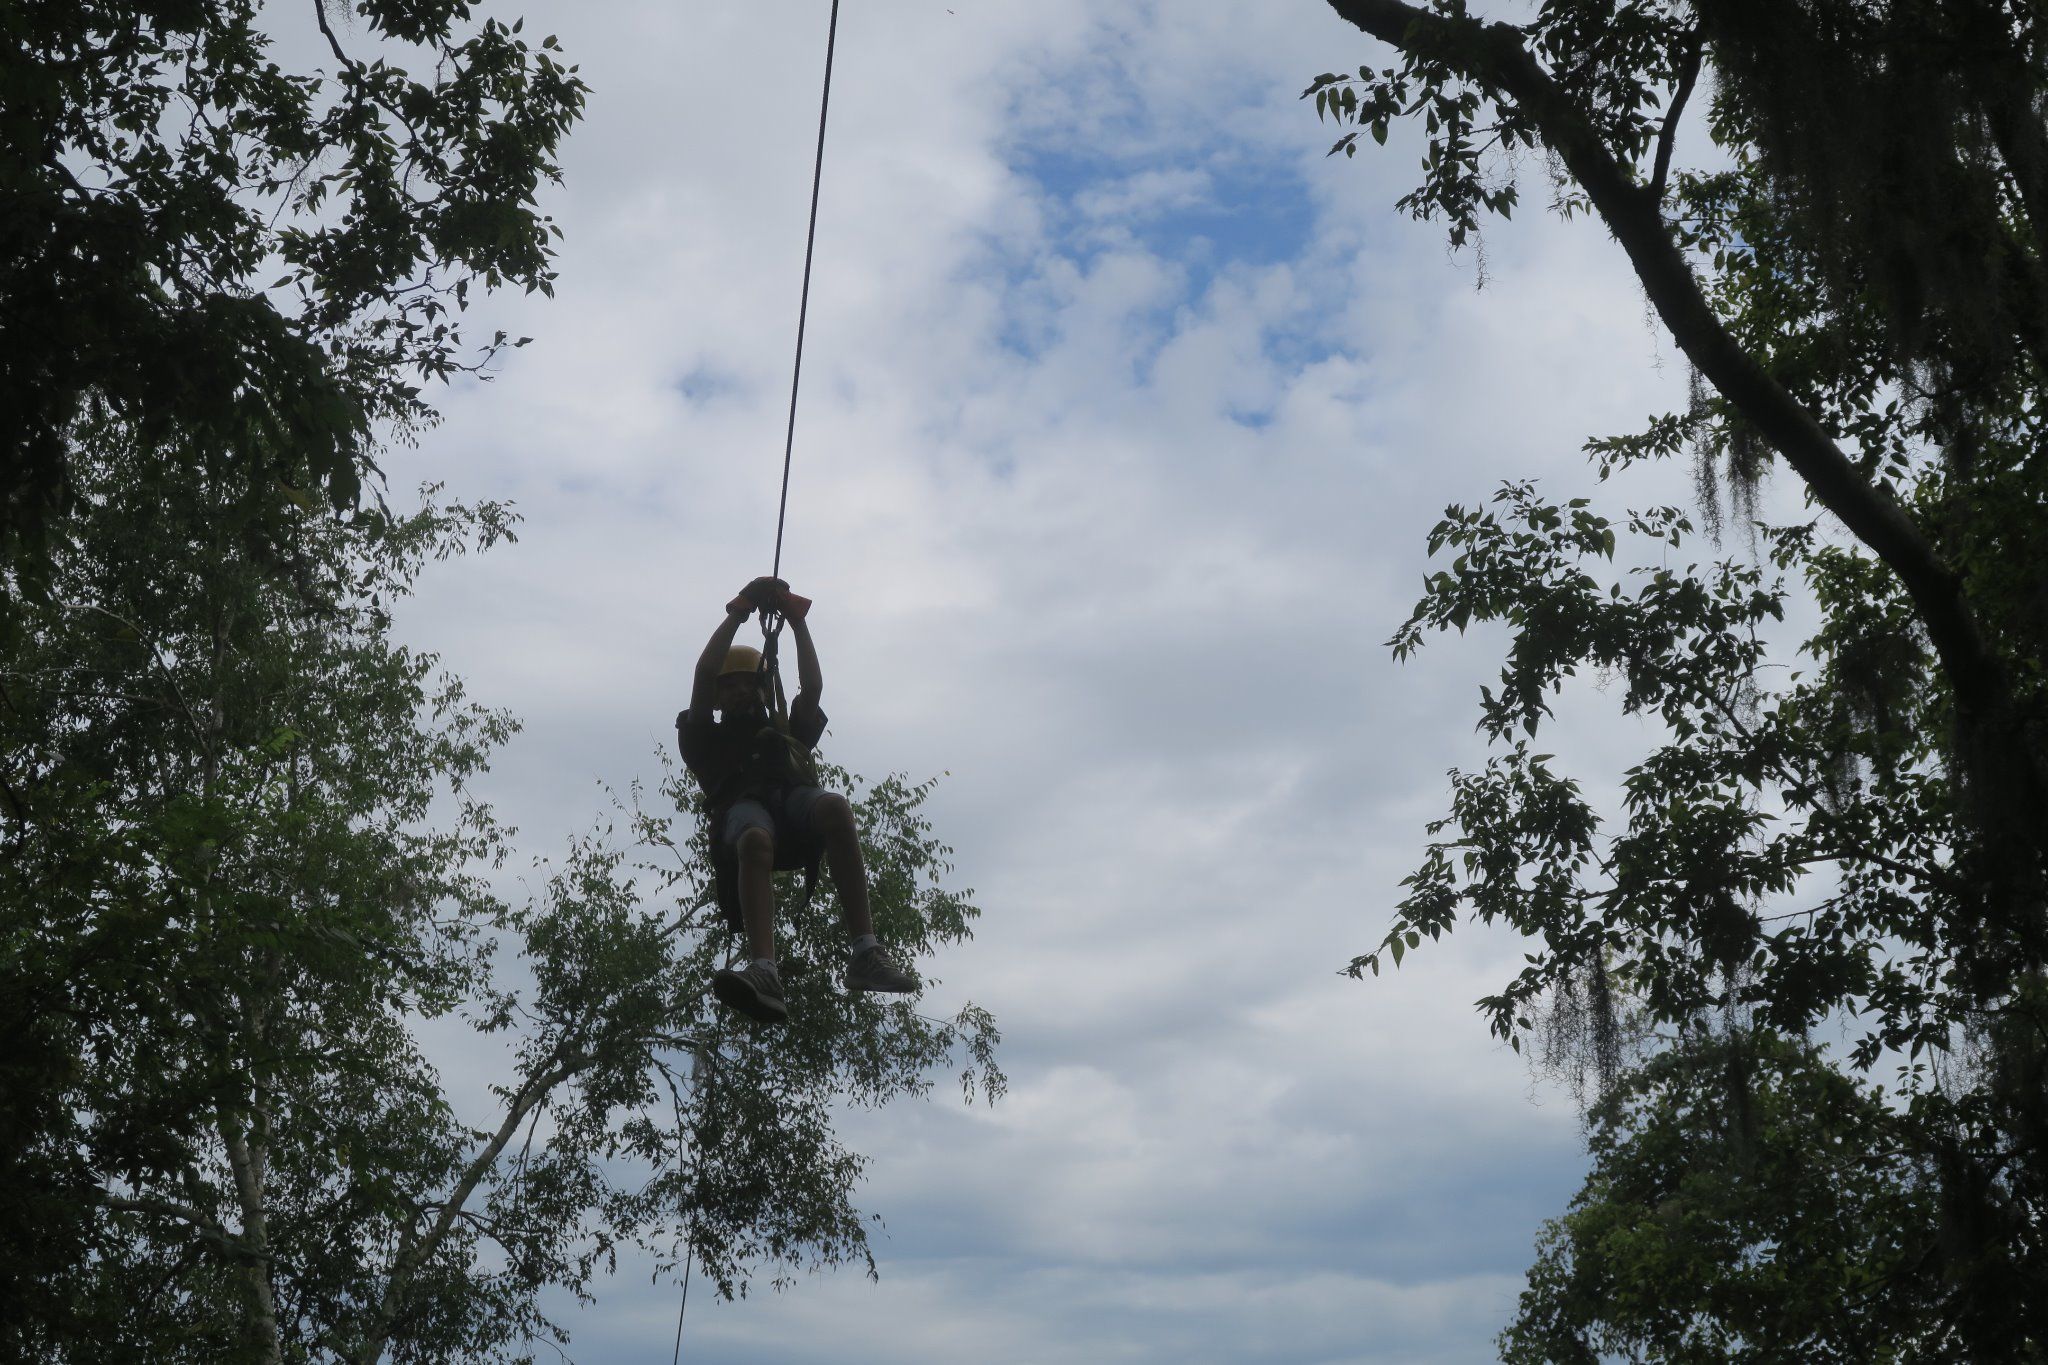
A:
754,991
872,969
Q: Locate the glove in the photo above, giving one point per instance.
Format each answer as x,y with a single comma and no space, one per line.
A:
763,594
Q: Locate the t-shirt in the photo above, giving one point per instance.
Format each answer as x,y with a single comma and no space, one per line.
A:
750,756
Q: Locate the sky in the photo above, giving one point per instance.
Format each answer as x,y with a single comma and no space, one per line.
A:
1126,413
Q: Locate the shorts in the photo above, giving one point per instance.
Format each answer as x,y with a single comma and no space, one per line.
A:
788,816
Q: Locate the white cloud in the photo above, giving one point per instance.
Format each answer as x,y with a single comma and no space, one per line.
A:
1107,511
1145,195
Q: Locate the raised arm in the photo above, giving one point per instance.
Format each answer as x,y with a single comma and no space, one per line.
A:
704,683
810,683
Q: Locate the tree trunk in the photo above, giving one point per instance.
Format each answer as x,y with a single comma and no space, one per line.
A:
247,1162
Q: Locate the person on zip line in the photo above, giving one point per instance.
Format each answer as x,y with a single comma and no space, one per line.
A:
764,808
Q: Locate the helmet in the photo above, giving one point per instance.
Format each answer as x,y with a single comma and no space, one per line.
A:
741,659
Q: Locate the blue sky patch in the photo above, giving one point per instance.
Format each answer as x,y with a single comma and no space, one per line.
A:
1244,212
1202,216
704,383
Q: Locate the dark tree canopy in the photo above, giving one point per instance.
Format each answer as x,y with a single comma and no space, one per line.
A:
1834,206
243,864
235,258
1746,1203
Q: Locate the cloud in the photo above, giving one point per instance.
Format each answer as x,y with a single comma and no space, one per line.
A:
1125,414
1145,195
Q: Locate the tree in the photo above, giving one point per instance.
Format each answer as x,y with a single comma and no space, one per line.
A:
238,259
1746,1203
1854,270
226,911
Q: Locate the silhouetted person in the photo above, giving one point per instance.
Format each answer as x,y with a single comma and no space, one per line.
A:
764,805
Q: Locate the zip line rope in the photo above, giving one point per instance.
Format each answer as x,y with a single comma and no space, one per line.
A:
796,375
804,307
677,1360
690,1240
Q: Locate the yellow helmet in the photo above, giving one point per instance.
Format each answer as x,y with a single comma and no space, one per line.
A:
741,659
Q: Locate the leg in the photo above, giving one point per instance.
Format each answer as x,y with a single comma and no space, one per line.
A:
832,818
754,989
823,820
756,850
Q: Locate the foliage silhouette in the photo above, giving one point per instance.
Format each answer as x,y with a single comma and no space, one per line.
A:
238,259
245,873
1854,270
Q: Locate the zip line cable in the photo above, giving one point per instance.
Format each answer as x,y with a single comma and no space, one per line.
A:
804,307
689,1235
796,375
677,1360
704,1073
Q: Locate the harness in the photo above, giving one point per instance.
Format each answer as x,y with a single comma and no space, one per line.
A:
797,768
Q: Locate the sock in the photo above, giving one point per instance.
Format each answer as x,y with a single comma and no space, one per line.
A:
863,943
769,964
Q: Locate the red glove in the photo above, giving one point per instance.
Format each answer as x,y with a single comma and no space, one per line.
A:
770,594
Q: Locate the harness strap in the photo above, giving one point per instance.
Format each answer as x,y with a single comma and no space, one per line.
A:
770,684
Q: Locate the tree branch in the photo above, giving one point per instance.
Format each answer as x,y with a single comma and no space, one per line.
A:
1493,56
333,43
417,1252
1688,76
164,1208
202,732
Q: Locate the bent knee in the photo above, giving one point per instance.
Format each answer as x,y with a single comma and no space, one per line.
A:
833,813
755,845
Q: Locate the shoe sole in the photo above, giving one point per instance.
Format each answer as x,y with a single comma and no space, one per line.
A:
868,987
733,990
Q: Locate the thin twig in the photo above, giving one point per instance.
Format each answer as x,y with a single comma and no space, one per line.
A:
1688,74
320,13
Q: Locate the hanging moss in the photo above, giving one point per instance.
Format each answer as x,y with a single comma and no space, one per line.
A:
1581,1038
1725,450
1905,140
